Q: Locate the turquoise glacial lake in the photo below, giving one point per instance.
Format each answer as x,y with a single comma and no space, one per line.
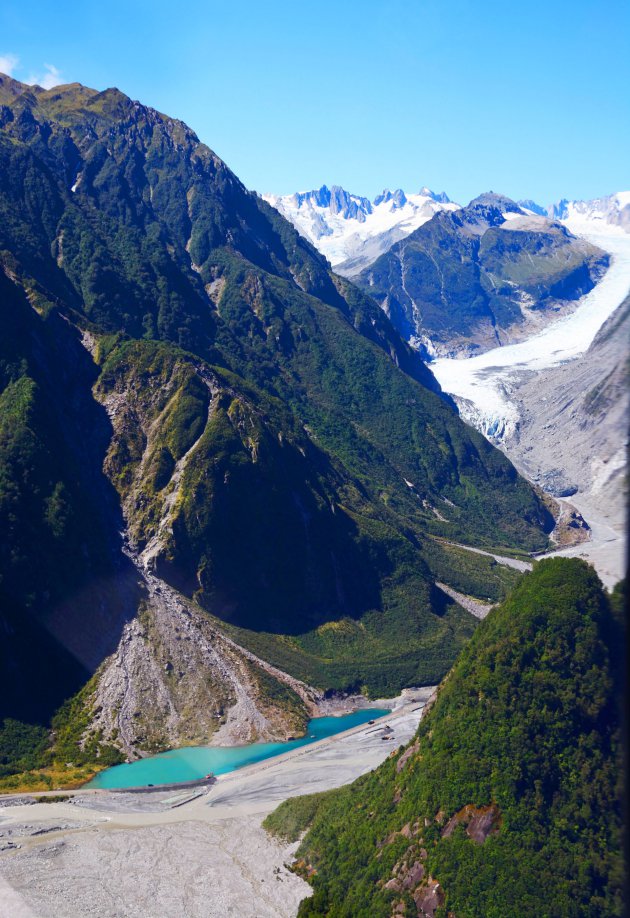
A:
195,762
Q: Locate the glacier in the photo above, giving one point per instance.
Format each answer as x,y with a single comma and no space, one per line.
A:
483,385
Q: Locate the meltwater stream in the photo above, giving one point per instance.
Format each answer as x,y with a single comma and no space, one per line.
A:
194,762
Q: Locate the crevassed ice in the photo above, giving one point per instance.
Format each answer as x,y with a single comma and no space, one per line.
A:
483,384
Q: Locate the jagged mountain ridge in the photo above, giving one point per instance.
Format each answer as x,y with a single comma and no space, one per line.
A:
352,231
596,215
268,442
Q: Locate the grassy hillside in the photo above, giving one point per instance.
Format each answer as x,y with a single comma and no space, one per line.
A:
508,801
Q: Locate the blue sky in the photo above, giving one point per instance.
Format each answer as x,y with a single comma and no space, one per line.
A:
531,99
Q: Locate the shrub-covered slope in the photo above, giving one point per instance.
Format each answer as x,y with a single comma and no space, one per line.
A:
508,801
479,276
264,437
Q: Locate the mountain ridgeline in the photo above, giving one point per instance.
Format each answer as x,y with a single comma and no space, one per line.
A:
481,276
179,366
352,231
508,800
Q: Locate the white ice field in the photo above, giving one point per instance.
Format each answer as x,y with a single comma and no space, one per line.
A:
485,382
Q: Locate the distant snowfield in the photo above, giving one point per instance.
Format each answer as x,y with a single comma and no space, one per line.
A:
339,237
485,382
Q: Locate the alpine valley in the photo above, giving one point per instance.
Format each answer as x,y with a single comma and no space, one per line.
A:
519,310
226,478
267,458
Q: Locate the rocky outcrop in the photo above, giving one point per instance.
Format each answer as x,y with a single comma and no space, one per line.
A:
410,873
175,680
410,878
429,898
406,756
478,821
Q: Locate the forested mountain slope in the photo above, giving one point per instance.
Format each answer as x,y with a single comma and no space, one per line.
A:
508,801
188,392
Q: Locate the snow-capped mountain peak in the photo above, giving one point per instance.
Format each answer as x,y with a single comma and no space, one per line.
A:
352,231
531,207
441,197
600,215
398,198
334,199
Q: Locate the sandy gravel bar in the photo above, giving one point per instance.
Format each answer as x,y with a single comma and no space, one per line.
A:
190,868
105,855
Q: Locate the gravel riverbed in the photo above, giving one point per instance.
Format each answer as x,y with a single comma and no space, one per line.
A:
104,856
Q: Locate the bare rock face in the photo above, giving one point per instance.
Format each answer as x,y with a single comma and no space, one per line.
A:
479,822
411,751
408,877
175,679
429,898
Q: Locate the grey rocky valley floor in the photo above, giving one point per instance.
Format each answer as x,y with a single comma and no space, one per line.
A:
190,868
563,421
119,856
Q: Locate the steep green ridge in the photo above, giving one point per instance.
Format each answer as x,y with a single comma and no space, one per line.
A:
256,495
508,801
270,443
468,279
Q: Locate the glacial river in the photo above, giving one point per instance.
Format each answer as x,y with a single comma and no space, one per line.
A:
193,762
